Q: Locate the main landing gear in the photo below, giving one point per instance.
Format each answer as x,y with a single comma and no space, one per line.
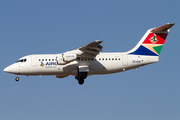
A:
81,76
17,78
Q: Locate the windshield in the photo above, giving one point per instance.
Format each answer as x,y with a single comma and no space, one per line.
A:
22,60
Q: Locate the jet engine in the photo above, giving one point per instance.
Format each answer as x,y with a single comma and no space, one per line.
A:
63,59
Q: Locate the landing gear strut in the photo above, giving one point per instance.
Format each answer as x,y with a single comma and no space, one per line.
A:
17,78
81,76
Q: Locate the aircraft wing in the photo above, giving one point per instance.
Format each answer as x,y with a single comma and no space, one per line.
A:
90,50
93,46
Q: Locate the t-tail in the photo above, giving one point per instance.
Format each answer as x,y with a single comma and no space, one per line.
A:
152,42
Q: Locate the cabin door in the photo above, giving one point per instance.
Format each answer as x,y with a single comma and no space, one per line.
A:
34,61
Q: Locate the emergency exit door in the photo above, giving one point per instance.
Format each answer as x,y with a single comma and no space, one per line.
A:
125,60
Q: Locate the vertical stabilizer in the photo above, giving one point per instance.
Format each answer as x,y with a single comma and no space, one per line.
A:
152,42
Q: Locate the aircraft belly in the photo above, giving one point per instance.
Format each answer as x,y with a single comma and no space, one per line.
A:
105,68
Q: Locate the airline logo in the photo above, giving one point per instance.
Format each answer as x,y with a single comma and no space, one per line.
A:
152,44
155,43
153,39
42,64
48,64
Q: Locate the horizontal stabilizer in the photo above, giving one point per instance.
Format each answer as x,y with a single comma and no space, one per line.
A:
163,28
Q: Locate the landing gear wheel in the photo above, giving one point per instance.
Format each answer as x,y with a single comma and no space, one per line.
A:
81,81
17,79
83,75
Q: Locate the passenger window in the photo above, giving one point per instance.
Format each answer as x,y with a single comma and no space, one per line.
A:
52,59
49,59
112,58
103,59
42,59
106,58
39,59
116,59
109,58
119,58
99,58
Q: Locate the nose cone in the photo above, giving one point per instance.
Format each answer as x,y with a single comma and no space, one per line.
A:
7,69
14,69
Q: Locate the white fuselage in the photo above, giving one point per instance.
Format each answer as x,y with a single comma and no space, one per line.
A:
103,63
87,60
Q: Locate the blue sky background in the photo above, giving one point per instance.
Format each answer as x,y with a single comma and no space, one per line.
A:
53,26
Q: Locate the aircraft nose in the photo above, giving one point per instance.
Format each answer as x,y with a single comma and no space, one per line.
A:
7,69
14,69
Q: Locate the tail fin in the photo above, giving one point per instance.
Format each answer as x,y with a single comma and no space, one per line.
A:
152,42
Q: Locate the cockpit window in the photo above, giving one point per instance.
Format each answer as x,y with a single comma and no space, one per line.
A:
19,61
22,60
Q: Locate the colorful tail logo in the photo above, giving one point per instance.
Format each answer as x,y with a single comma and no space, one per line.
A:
153,41
152,45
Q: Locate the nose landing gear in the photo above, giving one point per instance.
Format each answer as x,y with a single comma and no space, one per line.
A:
17,78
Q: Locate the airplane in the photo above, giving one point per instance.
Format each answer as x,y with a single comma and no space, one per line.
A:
87,60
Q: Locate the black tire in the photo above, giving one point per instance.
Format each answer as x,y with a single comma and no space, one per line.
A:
81,81
83,75
17,79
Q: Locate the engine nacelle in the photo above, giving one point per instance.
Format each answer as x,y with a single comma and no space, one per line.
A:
66,58
60,61
69,57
